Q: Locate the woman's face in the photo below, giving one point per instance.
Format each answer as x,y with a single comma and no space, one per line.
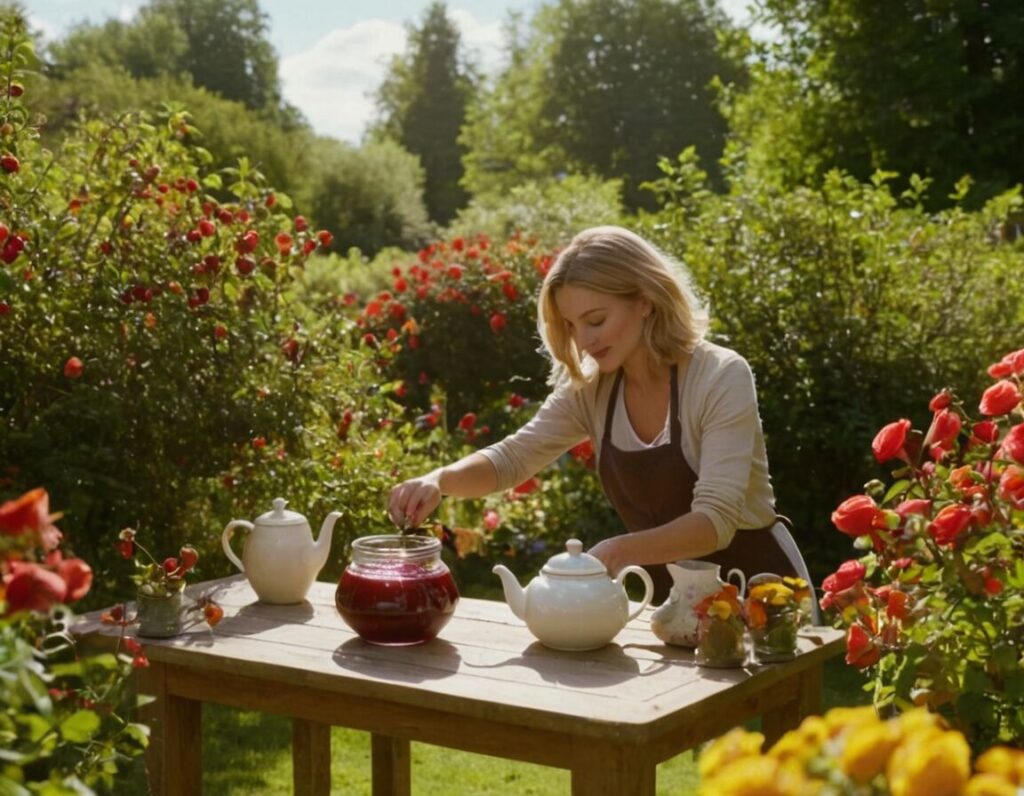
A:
608,328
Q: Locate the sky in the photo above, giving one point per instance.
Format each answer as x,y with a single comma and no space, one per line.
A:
333,53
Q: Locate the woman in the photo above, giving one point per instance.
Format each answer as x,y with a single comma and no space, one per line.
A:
674,419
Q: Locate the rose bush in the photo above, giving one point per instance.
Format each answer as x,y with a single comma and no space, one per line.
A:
62,712
933,608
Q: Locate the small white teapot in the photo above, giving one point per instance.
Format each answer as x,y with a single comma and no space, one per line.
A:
675,621
281,560
573,605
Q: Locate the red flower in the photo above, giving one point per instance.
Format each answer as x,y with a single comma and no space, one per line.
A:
9,163
849,574
888,443
126,543
515,401
31,587
259,442
896,604
985,431
949,523
212,613
284,242
73,368
301,225
1013,444
861,649
583,452
498,322
528,486
325,238
1012,363
248,242
468,421
940,401
30,513
207,228
999,399
77,577
510,291
945,426
1011,485
914,506
856,516
455,272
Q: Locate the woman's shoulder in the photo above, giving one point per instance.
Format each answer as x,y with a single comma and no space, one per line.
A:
711,361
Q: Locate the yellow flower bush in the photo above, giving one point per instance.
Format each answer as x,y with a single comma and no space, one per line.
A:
851,750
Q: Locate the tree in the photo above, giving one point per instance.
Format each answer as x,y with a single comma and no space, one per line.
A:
222,44
422,105
611,85
931,87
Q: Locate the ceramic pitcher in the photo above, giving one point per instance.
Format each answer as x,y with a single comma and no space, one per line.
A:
675,622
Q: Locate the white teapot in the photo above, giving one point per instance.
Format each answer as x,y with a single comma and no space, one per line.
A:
573,605
675,621
281,560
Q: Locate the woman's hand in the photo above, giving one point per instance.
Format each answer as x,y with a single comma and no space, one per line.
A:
613,553
412,501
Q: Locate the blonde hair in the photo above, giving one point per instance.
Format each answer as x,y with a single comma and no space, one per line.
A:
618,262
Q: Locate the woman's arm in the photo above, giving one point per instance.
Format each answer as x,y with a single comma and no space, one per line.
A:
690,535
412,501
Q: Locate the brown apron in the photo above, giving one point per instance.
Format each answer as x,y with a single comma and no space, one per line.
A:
653,486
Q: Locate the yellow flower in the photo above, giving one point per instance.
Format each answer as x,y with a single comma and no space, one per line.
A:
734,745
840,720
867,749
1004,762
917,720
989,785
930,762
772,593
803,743
759,776
720,609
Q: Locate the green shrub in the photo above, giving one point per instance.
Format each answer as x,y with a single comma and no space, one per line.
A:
852,306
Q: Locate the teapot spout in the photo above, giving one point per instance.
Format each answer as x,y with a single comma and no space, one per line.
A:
322,547
515,595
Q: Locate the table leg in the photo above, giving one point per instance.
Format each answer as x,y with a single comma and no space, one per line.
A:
174,758
391,766
311,758
778,721
608,770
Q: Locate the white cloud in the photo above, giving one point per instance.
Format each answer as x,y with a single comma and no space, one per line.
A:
332,82
127,11
43,27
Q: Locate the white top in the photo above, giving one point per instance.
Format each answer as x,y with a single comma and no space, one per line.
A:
624,436
722,438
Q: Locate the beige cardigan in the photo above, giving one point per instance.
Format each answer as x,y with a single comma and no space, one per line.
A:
721,438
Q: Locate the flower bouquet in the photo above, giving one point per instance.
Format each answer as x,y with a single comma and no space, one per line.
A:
721,634
160,612
849,750
933,607
774,616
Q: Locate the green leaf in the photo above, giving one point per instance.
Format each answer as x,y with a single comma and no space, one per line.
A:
80,726
897,488
213,182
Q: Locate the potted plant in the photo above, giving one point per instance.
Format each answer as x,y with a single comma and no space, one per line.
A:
774,616
721,634
160,609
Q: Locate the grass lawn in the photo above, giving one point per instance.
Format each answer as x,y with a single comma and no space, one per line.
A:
250,753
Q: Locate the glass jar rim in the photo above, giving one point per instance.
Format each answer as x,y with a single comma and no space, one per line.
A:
391,546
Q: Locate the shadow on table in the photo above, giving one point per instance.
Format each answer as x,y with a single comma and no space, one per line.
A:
434,660
591,669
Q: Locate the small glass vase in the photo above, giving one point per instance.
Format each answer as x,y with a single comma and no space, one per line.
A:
775,640
159,617
721,643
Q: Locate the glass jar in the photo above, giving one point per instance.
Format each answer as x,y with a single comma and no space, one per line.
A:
721,643
159,617
775,639
396,590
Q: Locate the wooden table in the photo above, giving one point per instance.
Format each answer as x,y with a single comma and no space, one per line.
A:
484,685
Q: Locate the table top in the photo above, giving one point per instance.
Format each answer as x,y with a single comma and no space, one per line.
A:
484,663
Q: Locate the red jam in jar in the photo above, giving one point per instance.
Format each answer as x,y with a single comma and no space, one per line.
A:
396,590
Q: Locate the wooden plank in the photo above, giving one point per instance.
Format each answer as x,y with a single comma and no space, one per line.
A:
392,764
150,681
183,746
311,758
602,769
806,701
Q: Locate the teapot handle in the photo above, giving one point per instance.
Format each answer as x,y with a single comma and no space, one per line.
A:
648,587
225,541
742,578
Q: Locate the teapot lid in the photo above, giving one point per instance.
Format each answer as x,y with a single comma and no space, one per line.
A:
574,562
280,515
